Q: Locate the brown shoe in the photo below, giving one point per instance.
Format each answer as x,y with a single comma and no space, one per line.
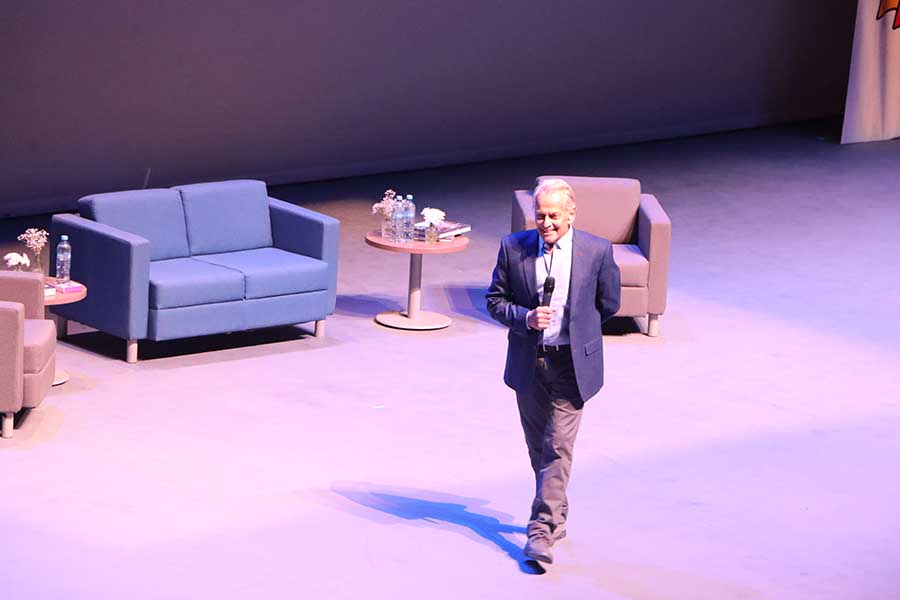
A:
538,548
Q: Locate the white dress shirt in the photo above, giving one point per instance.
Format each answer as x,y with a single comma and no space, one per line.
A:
559,264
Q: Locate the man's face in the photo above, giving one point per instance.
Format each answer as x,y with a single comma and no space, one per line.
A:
552,217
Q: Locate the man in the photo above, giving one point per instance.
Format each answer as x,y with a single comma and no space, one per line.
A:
554,360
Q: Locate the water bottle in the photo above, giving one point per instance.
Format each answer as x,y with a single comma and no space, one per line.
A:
409,219
397,221
63,259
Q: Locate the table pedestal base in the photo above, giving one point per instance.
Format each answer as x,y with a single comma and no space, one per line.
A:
424,320
60,377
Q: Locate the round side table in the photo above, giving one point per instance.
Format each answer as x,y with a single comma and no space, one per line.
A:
61,376
414,317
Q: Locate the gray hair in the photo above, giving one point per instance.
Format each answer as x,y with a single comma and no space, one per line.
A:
550,186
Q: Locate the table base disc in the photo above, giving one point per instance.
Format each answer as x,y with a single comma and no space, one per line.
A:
425,320
60,377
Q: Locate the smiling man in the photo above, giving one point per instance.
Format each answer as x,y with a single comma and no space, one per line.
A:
554,359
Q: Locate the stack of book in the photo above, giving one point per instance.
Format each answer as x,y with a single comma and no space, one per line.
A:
446,230
68,287
49,290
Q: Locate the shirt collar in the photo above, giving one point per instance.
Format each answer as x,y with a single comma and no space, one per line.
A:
564,242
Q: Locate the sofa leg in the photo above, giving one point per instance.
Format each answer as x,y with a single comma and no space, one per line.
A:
7,425
131,351
320,328
653,325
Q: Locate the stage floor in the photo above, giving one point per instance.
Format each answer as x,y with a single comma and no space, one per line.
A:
749,452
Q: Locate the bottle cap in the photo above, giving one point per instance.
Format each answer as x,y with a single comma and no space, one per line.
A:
64,238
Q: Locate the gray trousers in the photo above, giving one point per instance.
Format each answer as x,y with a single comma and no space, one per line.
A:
550,412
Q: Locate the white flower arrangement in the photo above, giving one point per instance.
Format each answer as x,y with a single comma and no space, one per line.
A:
433,216
386,206
35,239
14,259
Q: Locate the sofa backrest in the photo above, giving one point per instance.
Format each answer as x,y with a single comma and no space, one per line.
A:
157,215
225,216
605,206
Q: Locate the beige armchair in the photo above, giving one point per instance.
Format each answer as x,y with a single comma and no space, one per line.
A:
27,345
637,226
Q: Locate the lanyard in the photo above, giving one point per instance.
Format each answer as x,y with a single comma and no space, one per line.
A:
544,256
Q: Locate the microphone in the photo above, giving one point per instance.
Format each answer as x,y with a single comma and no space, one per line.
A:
549,286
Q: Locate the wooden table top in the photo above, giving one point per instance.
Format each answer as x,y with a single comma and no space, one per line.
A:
64,297
458,244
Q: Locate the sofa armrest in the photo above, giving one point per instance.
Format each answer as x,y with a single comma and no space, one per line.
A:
654,236
115,267
25,288
303,231
12,355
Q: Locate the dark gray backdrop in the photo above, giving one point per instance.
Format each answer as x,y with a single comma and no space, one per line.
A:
96,93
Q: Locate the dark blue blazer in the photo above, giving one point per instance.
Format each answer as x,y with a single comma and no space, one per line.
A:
594,290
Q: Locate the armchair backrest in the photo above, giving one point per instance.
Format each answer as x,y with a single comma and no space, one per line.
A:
156,215
606,206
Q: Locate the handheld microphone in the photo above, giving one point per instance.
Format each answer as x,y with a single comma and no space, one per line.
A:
549,286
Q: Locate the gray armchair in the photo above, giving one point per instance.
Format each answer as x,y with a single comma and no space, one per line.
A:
637,226
27,346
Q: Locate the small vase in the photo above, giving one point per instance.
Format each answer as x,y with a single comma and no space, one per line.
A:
431,235
386,227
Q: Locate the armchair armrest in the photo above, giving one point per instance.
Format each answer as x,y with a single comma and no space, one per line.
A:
24,288
654,236
12,355
115,266
303,231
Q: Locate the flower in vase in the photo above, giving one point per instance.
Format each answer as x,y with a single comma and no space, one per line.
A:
386,206
14,259
433,216
35,239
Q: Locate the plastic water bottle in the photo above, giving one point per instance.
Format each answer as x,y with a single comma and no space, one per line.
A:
409,219
397,221
63,259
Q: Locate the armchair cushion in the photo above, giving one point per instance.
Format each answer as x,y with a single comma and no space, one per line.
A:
226,216
188,282
635,269
273,272
40,343
156,215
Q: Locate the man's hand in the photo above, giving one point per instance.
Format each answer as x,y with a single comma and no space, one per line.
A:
539,318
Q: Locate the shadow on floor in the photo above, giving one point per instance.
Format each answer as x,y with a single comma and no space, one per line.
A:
469,301
113,347
441,510
364,305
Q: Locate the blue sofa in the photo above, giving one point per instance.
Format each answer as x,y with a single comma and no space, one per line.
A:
198,259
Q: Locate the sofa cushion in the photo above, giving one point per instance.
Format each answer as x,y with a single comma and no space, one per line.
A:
273,272
189,282
225,216
156,215
634,268
40,343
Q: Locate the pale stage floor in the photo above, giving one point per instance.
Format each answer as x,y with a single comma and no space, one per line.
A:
749,452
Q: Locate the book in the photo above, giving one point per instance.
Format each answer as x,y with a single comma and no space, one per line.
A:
447,229
68,287
49,291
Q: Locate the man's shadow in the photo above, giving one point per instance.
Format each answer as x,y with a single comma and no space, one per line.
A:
441,510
